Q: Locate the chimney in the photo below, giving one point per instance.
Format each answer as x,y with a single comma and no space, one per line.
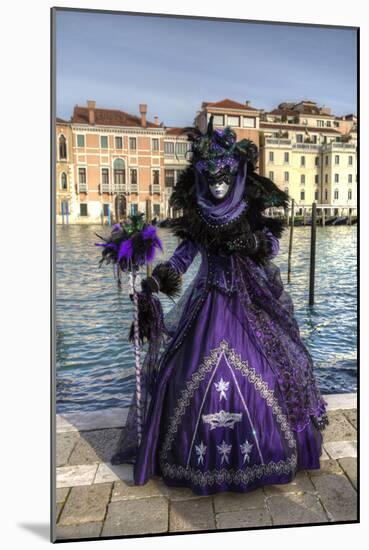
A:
143,111
156,120
91,105
247,102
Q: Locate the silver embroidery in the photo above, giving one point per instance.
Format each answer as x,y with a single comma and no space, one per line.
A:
246,449
222,419
200,451
231,475
222,386
224,449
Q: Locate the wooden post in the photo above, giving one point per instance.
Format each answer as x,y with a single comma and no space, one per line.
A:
291,239
304,214
312,254
148,219
323,217
349,220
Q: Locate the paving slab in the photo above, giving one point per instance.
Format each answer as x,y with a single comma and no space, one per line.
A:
113,472
341,401
295,509
300,484
65,443
192,515
339,428
58,509
79,531
338,496
94,446
243,518
230,502
341,449
175,493
349,466
351,416
86,504
114,417
324,455
123,490
330,466
62,493
136,517
72,476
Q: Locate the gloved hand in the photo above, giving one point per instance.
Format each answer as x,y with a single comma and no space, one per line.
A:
257,245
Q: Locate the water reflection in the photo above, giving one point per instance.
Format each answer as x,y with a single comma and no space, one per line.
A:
95,366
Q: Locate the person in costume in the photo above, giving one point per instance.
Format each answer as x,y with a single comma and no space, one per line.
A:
230,402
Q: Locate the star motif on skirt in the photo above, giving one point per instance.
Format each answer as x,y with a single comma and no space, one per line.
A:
222,386
246,450
200,451
224,450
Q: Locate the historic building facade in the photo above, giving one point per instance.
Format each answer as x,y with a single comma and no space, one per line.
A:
111,163
312,155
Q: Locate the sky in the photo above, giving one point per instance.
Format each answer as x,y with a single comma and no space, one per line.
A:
174,64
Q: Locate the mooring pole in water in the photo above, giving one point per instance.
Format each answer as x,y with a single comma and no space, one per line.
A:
312,254
291,240
148,220
67,212
109,215
62,211
349,219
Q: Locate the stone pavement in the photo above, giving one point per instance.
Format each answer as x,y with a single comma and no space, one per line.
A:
97,499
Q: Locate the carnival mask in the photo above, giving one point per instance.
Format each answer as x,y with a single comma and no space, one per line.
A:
219,189
219,181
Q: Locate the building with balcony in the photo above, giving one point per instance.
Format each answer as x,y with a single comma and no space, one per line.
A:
311,154
241,117
110,163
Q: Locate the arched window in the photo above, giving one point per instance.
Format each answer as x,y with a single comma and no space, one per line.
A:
119,172
316,194
336,193
349,194
63,181
62,148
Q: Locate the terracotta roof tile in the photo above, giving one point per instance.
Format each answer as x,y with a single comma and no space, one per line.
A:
229,104
109,117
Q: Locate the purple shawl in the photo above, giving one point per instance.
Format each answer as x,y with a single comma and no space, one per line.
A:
230,207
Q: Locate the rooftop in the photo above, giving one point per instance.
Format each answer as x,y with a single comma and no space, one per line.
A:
109,117
228,104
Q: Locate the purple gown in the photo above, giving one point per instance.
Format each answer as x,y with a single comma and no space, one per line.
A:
229,411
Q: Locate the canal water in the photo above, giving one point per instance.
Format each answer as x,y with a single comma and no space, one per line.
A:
95,366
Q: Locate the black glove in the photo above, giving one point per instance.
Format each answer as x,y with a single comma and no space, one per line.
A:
258,246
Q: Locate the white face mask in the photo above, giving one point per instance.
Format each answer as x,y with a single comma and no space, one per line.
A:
219,189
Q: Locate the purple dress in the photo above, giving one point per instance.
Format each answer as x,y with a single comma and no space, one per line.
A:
234,405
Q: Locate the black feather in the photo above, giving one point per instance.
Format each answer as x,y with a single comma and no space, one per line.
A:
168,279
146,319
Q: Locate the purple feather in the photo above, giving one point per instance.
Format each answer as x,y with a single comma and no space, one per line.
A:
125,250
149,232
107,245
